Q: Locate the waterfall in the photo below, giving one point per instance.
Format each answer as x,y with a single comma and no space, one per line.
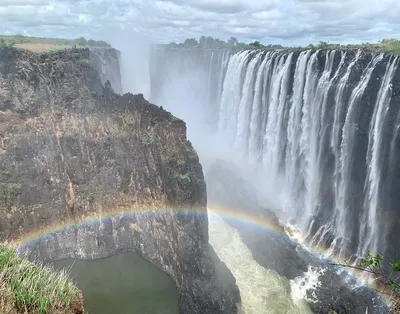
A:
374,158
322,129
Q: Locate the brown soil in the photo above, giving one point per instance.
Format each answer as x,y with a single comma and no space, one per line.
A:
41,47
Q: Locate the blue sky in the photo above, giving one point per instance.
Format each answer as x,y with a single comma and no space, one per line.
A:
270,21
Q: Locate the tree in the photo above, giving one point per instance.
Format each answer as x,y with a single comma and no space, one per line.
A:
81,41
20,39
190,42
233,41
255,44
203,41
102,43
386,272
6,44
323,44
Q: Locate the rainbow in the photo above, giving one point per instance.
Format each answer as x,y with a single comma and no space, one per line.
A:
226,213
29,237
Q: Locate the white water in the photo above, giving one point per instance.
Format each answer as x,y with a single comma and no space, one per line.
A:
293,128
262,290
314,126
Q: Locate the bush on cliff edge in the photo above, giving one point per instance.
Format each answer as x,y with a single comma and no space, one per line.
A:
27,288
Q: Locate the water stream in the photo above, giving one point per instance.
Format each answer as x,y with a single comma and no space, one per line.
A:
262,290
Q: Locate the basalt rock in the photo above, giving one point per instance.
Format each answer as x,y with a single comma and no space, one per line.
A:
72,150
107,62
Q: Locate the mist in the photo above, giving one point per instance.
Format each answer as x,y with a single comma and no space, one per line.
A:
135,54
186,82
185,87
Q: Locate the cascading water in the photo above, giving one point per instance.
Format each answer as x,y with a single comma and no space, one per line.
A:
262,290
320,126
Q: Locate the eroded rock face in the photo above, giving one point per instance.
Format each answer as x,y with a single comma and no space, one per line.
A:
71,150
107,62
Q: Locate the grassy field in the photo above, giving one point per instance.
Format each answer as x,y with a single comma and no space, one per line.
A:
27,288
40,47
41,44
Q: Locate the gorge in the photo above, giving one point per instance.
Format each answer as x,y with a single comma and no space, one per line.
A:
308,137
86,174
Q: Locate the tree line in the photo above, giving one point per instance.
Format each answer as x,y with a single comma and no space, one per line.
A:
20,39
210,42
391,45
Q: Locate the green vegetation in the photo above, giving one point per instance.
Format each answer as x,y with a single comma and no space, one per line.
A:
185,178
386,45
173,118
9,193
109,152
377,265
210,42
80,42
4,44
192,154
384,271
27,288
146,140
6,48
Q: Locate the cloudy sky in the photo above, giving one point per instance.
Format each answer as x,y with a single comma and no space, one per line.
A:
270,21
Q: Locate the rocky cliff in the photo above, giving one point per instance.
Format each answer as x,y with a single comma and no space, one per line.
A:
107,62
70,148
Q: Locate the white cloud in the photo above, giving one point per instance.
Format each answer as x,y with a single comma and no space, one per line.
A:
271,21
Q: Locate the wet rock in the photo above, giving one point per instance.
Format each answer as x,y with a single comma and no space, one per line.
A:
335,294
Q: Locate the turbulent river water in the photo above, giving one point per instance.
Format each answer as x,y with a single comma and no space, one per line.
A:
126,283
262,290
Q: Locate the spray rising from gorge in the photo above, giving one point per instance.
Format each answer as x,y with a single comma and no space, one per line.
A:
319,127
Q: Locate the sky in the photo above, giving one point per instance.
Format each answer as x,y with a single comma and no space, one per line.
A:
291,22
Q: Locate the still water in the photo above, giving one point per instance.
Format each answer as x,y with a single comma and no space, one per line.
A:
122,284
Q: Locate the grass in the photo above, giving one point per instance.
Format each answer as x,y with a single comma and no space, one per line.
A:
42,44
28,288
40,47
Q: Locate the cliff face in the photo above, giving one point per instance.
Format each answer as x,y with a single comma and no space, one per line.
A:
107,62
70,148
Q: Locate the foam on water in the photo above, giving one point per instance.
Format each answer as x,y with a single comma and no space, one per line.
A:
308,282
262,290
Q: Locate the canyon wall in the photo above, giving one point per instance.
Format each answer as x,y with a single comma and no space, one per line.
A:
115,173
107,62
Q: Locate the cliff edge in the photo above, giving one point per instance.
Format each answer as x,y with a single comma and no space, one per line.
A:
71,150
